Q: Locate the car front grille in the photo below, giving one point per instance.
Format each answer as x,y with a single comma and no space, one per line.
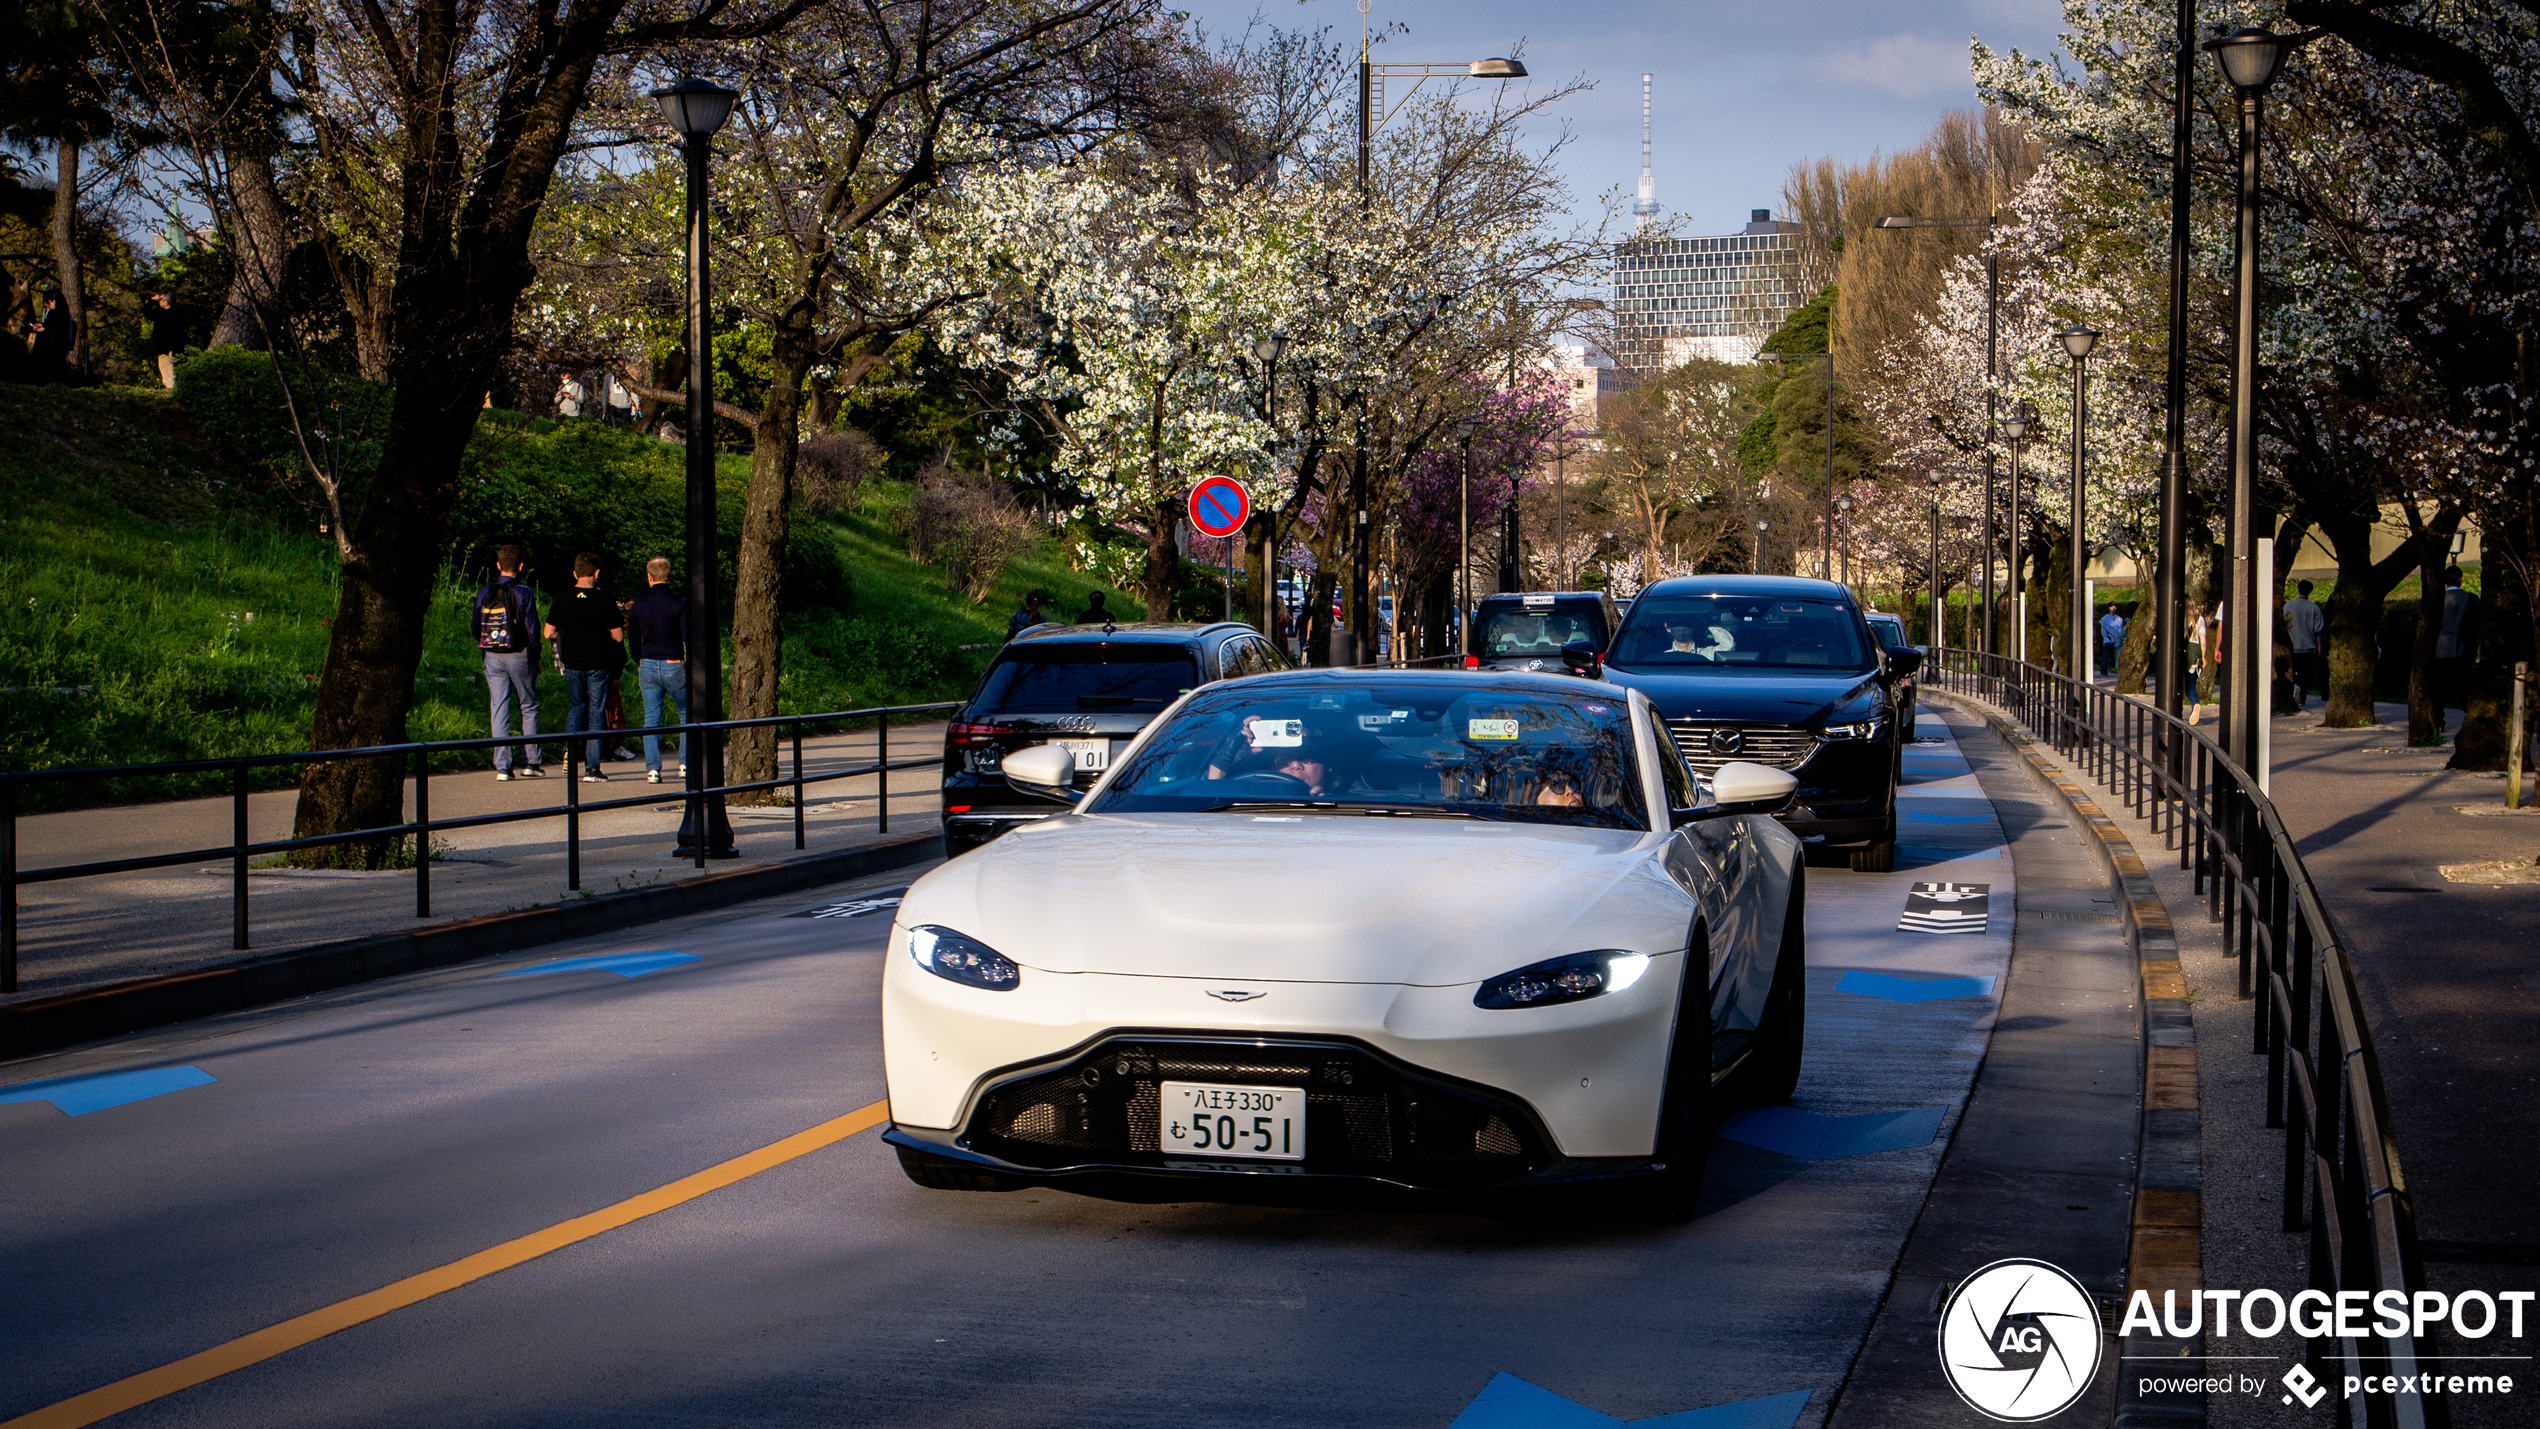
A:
1364,1114
1708,744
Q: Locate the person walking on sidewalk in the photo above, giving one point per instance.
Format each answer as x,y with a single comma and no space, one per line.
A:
507,635
660,622
2303,622
584,623
2111,638
2454,643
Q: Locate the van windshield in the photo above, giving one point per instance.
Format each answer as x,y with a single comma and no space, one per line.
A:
1741,632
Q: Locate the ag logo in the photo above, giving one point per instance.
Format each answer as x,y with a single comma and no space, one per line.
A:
2019,1340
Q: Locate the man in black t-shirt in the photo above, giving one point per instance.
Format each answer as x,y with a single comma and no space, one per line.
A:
587,629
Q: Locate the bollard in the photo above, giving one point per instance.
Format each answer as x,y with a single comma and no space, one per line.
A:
2514,739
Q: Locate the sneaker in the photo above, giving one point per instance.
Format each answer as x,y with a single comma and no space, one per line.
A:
502,776
652,776
534,771
595,777
624,755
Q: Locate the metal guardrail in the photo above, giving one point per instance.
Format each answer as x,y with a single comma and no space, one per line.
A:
2342,1178
241,850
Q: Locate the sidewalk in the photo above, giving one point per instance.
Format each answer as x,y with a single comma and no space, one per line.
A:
2450,976
86,932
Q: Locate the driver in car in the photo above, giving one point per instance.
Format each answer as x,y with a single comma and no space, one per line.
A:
1689,640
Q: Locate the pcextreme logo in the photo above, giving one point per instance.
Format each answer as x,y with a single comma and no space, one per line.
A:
2019,1340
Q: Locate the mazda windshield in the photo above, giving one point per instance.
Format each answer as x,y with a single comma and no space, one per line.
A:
1669,634
1439,750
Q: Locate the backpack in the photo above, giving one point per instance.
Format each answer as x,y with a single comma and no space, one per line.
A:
502,627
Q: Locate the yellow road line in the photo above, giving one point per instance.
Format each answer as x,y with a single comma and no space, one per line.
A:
264,1344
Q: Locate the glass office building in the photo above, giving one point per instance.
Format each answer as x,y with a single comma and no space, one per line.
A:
1677,298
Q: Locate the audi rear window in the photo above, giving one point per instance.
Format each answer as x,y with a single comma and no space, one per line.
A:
1054,679
1540,627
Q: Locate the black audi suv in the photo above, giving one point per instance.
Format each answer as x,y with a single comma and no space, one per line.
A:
1089,688
1784,672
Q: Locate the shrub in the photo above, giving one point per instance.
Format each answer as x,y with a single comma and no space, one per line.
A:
971,525
830,468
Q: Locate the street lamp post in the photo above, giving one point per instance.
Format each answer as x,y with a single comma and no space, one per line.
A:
2249,57
1828,358
1269,350
1939,632
697,108
2169,589
1760,527
1992,367
1843,506
2017,426
2078,341
1465,427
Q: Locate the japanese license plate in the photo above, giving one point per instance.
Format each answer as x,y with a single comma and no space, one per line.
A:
1094,754
1255,1123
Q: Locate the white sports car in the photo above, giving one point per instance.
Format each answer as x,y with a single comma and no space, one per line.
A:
1435,929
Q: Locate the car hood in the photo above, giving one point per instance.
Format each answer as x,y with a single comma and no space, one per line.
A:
1756,699
1306,898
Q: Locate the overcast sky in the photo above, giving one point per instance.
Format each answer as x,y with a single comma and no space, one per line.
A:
1740,89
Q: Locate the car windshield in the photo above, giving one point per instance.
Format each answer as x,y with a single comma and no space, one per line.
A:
1067,678
1468,750
1889,630
1730,631
1540,628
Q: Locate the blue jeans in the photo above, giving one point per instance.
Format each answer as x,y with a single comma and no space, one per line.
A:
586,694
512,680
661,679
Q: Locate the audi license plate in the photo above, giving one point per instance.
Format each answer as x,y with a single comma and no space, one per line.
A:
1094,754
1256,1123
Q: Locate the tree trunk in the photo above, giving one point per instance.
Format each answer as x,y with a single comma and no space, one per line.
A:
2353,613
2050,593
66,252
2134,656
260,242
766,525
2504,637
2425,704
1163,568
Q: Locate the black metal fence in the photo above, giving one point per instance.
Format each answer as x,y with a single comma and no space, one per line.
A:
2342,1179
414,761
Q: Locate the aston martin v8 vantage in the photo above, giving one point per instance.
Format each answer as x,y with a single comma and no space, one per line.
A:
1430,929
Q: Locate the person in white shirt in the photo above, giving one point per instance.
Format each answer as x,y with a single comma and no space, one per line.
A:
2303,622
569,396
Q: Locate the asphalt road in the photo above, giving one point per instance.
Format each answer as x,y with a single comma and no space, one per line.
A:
381,1136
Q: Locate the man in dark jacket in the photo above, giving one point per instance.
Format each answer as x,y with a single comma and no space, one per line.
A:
660,622
507,634
1096,613
585,624
1029,616
167,335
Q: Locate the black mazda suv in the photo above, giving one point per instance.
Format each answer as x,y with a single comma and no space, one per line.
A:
1089,688
1783,672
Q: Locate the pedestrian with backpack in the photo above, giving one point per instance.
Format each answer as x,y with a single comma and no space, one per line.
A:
589,635
507,635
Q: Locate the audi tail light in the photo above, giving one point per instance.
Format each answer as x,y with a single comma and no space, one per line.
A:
958,735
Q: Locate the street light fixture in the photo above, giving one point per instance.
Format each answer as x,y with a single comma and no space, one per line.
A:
1992,367
2249,57
1828,359
696,108
2078,341
2017,426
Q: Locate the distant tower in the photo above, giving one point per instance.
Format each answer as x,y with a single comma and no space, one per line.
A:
1647,208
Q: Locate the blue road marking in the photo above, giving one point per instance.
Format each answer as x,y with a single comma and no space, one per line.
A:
1911,989
622,964
1807,1136
1508,1402
78,1096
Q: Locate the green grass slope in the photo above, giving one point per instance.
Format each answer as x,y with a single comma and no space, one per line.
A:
167,598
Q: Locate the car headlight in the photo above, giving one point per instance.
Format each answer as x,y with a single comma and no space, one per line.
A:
1567,978
1858,729
963,959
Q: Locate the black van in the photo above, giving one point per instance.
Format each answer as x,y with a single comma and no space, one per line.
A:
1090,688
1525,630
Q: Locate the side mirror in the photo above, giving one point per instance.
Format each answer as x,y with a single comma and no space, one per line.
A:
1583,658
1742,788
1044,771
1904,660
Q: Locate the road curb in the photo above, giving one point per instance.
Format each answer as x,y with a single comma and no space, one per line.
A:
2163,1252
47,1024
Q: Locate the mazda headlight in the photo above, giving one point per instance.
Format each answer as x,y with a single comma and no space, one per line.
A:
963,959
1870,728
1568,978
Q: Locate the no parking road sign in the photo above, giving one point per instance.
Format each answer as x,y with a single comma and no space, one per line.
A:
1220,506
